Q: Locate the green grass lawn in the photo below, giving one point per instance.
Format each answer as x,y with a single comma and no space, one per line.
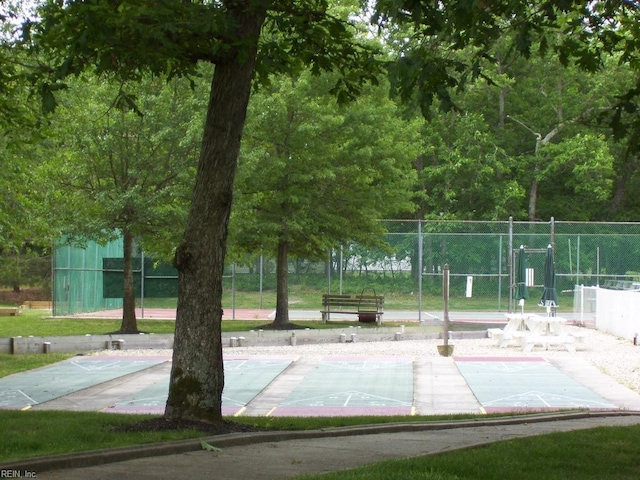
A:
604,453
301,298
28,433
40,323
37,323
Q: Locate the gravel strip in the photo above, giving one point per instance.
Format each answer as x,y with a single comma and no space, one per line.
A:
616,357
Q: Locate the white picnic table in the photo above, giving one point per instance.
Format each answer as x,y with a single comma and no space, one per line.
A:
529,330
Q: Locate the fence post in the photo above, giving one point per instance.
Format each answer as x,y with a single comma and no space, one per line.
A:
261,278
500,273
341,267
233,290
329,267
510,264
419,270
142,274
445,294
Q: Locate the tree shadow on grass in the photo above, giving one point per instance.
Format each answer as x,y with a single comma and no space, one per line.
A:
158,424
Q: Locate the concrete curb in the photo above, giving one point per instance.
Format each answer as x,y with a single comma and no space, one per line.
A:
104,456
253,338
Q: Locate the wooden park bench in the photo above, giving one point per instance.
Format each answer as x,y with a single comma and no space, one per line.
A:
367,307
8,312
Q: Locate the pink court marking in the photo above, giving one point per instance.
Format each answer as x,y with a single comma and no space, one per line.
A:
499,359
339,411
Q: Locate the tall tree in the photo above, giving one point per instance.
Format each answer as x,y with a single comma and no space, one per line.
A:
170,37
115,171
313,175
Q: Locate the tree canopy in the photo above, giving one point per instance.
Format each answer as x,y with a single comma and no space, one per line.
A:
111,170
433,50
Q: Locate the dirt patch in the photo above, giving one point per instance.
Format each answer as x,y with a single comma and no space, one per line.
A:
288,326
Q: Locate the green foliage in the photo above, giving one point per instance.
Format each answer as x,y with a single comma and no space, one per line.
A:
29,268
507,56
320,37
313,174
98,36
434,31
21,227
581,168
538,104
466,176
172,37
117,168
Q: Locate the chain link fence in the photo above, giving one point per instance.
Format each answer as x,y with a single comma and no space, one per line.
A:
480,255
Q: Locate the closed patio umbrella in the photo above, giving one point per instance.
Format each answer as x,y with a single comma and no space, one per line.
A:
549,297
521,292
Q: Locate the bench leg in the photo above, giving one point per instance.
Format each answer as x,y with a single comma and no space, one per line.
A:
526,346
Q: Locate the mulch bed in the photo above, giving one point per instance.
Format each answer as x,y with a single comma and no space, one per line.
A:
287,326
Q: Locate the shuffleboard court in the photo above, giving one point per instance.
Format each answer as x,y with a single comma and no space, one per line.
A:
244,379
38,386
525,384
353,386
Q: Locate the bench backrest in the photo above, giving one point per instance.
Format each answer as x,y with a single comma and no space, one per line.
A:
365,303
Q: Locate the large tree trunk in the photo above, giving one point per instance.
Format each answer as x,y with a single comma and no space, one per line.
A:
129,323
533,199
282,289
627,173
197,376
